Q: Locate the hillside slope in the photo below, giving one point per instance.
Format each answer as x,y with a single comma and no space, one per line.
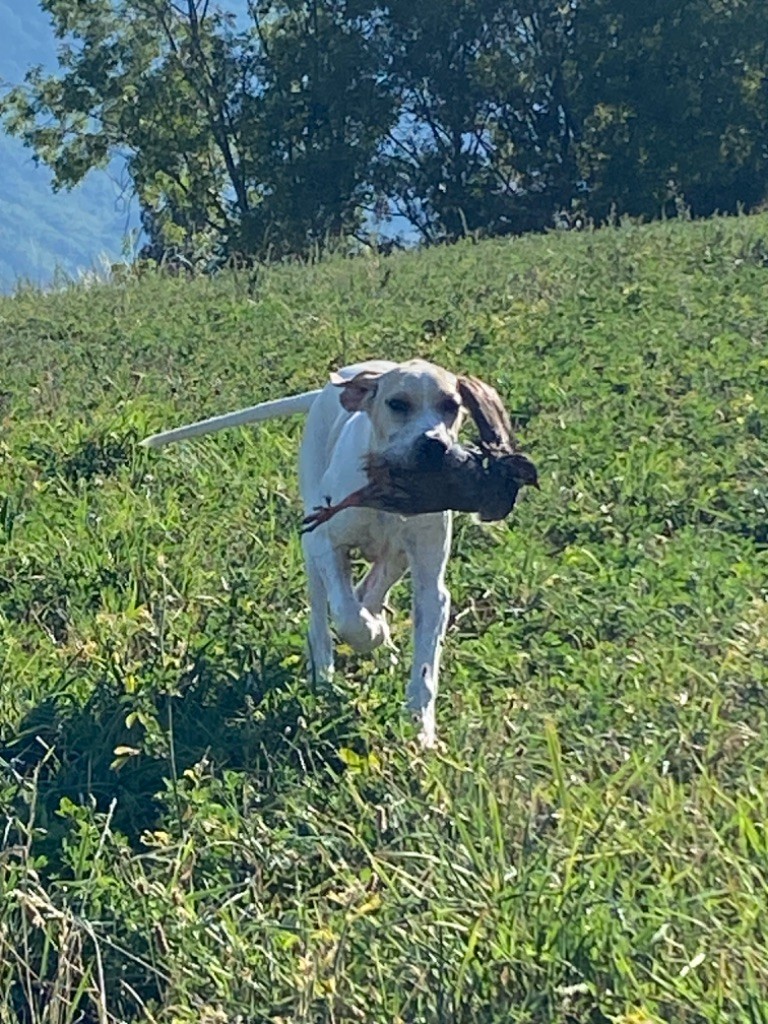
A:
201,835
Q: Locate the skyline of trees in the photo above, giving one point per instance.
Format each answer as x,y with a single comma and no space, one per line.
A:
271,129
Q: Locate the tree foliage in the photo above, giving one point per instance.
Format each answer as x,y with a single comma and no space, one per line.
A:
257,137
672,102
481,137
272,130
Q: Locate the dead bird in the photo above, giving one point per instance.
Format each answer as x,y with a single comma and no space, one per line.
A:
468,479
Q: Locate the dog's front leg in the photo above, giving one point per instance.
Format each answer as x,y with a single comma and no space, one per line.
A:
355,624
428,551
319,641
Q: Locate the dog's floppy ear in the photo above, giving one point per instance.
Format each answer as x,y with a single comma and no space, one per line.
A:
487,410
358,390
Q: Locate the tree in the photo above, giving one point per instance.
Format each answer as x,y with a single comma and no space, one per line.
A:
320,112
512,111
254,137
483,137
672,103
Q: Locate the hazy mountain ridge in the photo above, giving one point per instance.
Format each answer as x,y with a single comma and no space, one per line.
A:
42,231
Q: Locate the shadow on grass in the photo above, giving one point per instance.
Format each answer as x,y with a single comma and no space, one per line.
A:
253,720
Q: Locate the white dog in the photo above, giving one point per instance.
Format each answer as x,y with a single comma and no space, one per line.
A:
410,413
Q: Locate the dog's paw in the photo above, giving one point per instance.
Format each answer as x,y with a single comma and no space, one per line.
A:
427,738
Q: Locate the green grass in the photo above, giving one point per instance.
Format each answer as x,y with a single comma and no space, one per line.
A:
193,833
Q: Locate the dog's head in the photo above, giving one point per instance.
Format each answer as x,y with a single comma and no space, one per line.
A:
417,408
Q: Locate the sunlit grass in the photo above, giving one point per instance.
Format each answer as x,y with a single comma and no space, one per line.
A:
192,833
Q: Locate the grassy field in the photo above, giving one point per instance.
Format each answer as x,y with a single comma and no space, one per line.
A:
192,833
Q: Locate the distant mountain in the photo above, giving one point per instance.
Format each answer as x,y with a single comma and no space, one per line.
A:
42,231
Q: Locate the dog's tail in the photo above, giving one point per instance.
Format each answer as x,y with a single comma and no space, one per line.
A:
253,414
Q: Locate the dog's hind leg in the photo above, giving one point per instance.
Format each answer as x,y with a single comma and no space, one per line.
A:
372,590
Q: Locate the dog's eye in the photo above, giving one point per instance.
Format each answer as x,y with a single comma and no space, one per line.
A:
449,407
398,405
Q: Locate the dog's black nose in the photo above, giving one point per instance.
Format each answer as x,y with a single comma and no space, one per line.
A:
430,451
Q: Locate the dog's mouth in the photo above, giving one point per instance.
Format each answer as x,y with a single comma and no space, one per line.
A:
427,456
